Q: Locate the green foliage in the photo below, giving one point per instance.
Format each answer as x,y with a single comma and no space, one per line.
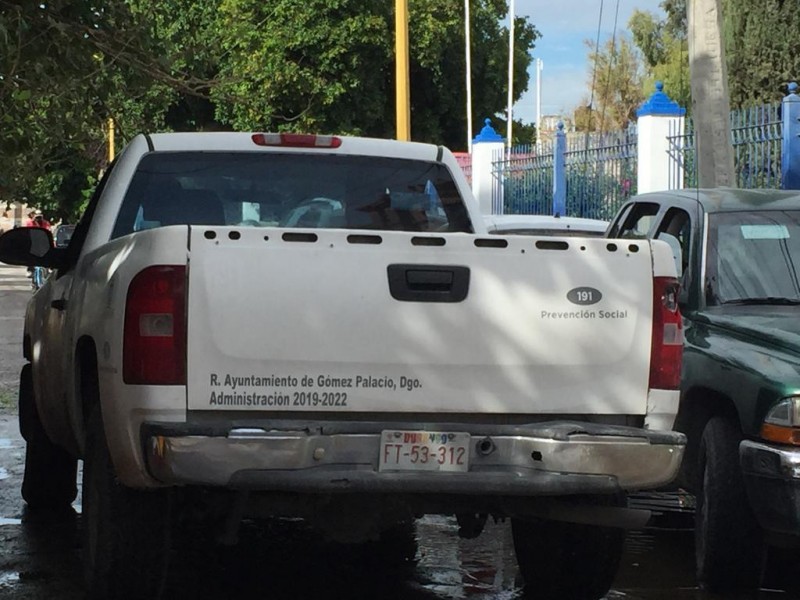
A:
312,66
617,77
67,66
665,49
63,73
329,66
761,49
675,24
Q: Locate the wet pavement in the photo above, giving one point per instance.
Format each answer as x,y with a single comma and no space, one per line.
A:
40,552
40,559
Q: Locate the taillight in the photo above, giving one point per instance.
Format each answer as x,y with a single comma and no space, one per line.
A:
154,347
666,352
297,140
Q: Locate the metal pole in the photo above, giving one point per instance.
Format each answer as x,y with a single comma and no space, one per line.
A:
110,139
402,86
468,54
510,71
560,172
539,67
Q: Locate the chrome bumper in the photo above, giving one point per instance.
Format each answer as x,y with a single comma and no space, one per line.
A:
769,461
540,459
772,478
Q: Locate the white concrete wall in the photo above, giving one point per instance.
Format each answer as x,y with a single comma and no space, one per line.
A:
482,179
655,164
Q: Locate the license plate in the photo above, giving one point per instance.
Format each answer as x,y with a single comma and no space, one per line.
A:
424,451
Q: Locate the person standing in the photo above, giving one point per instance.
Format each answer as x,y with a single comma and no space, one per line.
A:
39,220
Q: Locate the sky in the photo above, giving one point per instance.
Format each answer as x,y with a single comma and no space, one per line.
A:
564,25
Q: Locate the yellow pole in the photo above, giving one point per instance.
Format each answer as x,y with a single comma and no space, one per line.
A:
110,139
403,92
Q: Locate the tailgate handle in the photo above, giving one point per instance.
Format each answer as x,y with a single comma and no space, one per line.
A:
428,283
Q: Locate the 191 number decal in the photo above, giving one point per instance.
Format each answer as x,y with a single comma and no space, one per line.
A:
584,296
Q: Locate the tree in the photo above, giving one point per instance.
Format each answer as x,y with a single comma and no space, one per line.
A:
665,49
58,85
676,23
66,67
286,66
617,78
761,49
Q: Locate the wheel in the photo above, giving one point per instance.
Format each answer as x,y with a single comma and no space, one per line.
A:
50,480
567,561
728,540
126,532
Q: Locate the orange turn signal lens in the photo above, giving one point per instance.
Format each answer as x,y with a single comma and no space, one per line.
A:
780,434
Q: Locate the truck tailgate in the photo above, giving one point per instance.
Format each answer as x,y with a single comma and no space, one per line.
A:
294,320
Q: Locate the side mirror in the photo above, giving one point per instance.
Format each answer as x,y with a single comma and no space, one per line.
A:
29,247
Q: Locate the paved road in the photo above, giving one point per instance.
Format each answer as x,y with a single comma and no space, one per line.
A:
15,289
40,553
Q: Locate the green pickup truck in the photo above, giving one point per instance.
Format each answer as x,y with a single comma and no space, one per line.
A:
738,256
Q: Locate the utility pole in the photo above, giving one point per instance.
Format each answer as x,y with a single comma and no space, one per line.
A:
539,67
710,99
511,17
402,84
468,60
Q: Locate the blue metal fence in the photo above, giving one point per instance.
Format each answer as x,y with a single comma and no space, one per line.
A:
524,180
756,137
601,168
600,175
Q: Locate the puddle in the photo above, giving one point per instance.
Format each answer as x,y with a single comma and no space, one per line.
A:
7,521
4,474
8,579
453,568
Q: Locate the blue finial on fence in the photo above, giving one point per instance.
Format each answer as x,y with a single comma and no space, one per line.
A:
659,104
487,134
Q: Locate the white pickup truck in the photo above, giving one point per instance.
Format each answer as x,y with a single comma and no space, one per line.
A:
250,325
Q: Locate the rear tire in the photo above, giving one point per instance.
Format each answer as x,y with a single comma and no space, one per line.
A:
567,561
50,480
126,532
729,548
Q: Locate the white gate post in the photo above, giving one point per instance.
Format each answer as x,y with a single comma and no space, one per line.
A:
658,118
486,146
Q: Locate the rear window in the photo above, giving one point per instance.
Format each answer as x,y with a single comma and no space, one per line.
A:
291,190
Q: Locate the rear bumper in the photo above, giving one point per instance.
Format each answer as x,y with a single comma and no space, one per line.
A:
540,459
772,477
